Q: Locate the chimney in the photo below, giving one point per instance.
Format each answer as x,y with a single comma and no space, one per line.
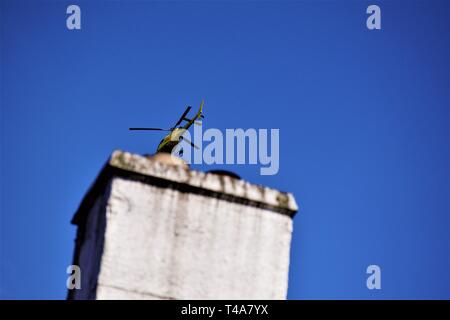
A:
148,229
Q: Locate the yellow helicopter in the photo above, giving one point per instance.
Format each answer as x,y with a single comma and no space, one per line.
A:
175,135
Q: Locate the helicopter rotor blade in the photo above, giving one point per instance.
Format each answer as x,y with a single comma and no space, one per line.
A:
183,115
190,142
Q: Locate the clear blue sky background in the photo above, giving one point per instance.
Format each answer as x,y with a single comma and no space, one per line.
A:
363,116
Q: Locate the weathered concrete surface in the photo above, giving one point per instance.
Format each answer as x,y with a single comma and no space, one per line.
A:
173,233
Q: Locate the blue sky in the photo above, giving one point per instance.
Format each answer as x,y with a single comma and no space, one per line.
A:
363,116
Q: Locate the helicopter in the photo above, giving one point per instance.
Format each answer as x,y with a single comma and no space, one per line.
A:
175,135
